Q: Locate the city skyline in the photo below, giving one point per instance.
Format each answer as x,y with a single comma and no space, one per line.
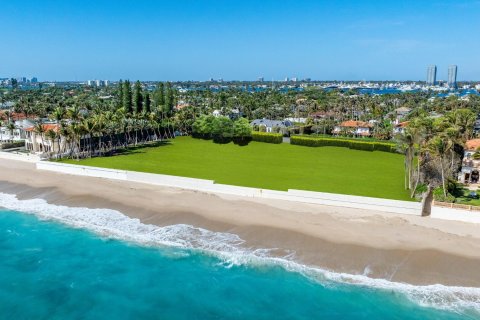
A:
198,40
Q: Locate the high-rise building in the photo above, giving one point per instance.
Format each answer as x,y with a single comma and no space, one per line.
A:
452,76
260,79
432,75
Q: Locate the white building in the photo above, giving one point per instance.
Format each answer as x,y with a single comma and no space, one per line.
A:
356,128
400,127
40,143
469,174
16,133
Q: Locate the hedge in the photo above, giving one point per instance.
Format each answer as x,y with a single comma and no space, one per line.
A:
9,145
352,144
267,137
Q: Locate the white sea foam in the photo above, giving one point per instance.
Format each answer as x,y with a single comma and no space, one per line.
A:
231,250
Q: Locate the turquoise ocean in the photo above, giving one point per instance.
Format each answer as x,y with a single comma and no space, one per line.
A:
58,262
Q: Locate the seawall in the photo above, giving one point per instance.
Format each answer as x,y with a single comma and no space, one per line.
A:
209,186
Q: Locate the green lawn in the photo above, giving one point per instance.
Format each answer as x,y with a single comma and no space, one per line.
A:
269,166
466,199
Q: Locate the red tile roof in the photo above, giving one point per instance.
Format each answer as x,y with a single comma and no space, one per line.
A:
355,124
473,144
46,127
403,124
13,115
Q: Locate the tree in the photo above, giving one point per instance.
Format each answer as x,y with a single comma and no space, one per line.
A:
222,129
147,107
169,100
40,130
137,97
14,83
52,136
120,94
438,147
159,96
127,97
242,131
58,114
242,128
11,127
203,126
406,144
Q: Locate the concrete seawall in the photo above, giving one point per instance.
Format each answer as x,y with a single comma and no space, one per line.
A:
209,186
455,214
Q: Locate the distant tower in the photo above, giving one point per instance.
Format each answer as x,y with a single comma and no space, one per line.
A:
452,76
432,75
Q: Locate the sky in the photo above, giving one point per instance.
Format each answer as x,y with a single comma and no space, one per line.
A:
238,40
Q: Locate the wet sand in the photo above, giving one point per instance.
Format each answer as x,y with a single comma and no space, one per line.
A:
383,245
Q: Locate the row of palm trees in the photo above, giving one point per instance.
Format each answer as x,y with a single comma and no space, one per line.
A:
433,148
81,134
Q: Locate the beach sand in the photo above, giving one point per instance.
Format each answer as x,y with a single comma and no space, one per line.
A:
395,247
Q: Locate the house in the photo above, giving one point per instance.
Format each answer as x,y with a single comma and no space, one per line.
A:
470,166
15,133
182,104
400,127
296,120
402,112
322,115
6,115
40,143
352,127
476,126
271,125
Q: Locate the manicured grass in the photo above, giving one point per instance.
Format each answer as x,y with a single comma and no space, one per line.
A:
269,166
466,199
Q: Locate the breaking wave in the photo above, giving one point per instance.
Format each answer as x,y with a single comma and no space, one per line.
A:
232,251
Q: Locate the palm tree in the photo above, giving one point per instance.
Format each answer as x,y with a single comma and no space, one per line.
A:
51,135
89,127
11,127
58,114
406,144
74,113
40,130
438,147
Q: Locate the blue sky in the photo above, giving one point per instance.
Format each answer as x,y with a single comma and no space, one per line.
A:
238,40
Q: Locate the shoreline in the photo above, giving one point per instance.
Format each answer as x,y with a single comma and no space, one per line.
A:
394,247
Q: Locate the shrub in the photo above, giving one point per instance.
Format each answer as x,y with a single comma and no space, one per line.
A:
222,129
9,145
439,196
346,143
203,127
242,132
267,137
421,188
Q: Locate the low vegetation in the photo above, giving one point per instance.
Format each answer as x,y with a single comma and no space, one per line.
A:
346,143
267,137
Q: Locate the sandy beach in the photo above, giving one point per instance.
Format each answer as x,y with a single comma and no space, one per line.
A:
395,247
